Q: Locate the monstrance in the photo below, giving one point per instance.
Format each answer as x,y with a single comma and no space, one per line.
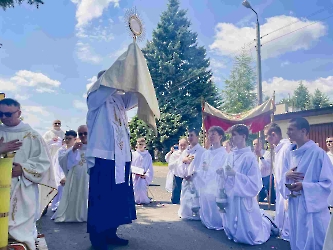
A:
135,24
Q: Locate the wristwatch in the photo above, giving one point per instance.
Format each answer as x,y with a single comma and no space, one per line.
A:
261,158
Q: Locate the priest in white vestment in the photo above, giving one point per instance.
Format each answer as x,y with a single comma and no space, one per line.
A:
176,170
124,85
31,167
243,221
307,185
206,179
281,146
189,163
143,172
54,137
73,206
70,137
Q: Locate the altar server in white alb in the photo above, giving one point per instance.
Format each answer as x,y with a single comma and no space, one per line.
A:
169,178
281,146
143,172
31,167
177,171
308,186
73,206
206,179
70,137
243,220
124,85
189,162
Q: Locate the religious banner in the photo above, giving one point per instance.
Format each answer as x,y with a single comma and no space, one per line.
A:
256,119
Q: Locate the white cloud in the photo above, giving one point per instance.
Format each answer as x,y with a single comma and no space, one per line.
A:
91,81
37,117
86,54
80,105
87,10
26,78
35,109
119,52
6,85
216,79
21,97
285,63
230,38
283,87
216,64
99,33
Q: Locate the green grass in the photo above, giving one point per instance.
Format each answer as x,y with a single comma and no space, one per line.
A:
160,164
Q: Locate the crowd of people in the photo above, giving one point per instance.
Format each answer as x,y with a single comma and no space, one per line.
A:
223,185
91,175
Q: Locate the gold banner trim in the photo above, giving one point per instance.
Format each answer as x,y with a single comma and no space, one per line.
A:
2,215
5,186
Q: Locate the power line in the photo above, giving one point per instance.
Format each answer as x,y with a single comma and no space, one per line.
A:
297,29
313,14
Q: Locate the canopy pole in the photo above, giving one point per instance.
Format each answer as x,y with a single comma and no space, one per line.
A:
203,121
272,160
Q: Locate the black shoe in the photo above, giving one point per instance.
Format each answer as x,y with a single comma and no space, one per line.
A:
116,241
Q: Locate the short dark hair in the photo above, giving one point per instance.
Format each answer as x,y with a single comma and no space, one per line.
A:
141,140
273,127
71,132
100,74
241,129
10,102
301,123
218,130
193,130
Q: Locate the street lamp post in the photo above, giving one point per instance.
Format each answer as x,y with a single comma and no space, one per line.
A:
261,134
247,5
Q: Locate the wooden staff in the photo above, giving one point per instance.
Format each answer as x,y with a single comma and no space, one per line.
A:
272,160
203,121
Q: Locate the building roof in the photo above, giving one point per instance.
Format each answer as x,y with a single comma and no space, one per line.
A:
304,113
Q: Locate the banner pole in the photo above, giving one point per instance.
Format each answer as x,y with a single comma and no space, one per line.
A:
272,160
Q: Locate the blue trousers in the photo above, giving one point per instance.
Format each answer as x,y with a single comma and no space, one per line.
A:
110,205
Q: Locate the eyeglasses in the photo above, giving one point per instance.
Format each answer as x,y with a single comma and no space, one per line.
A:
84,133
69,138
329,141
57,123
7,114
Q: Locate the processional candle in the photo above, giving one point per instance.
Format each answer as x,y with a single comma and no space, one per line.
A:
6,165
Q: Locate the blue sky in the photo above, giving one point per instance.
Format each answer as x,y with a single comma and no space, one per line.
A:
50,54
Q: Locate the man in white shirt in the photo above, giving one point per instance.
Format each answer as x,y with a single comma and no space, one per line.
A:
329,144
281,146
265,167
177,172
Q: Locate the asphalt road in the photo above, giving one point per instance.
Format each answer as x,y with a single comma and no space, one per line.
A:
157,228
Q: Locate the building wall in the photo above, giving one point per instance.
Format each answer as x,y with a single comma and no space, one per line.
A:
314,120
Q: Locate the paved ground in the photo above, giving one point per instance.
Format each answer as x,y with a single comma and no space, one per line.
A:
157,228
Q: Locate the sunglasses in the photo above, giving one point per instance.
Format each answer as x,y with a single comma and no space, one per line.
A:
7,114
329,141
84,133
57,123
